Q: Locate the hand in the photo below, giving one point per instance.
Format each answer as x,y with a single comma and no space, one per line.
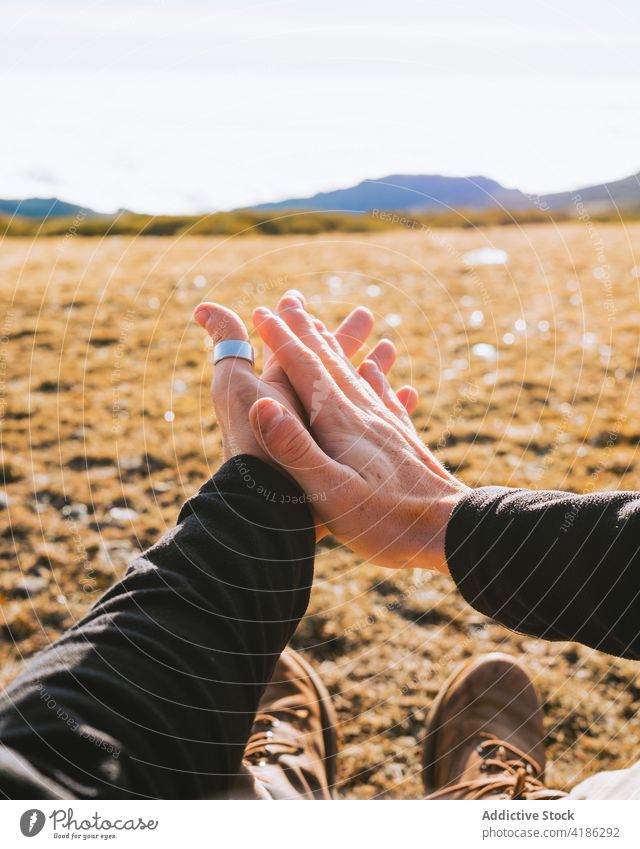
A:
236,387
371,480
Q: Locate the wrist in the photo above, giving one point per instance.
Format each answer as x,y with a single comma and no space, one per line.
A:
432,552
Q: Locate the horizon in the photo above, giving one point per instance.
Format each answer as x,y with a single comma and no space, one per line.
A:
79,202
195,107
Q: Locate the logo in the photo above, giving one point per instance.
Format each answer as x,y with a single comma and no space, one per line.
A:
319,394
32,822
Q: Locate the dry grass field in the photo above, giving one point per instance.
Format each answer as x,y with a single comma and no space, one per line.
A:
526,372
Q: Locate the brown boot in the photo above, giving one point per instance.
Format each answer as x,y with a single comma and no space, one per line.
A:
291,753
484,735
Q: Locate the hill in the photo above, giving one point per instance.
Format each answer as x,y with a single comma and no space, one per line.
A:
431,200
413,193
43,208
623,193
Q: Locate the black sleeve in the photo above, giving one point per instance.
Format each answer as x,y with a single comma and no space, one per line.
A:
153,693
552,564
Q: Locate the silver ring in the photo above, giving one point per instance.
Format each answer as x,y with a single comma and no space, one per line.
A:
233,348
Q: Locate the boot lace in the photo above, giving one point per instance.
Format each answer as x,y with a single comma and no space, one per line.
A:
264,745
511,774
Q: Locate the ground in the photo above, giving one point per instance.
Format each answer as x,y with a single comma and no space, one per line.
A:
526,374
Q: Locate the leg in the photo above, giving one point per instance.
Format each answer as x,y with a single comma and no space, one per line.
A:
291,753
484,737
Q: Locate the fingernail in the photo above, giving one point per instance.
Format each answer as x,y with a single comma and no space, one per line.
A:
202,315
293,293
293,303
270,415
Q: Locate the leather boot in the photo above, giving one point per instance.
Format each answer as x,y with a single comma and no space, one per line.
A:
484,736
291,753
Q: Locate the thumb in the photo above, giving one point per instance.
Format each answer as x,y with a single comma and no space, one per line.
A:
290,445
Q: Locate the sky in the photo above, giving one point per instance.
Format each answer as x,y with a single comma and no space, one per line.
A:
192,106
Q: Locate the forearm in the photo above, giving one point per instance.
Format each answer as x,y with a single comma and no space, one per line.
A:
154,692
552,564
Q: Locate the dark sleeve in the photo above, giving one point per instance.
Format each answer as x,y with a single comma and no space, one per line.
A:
153,693
552,564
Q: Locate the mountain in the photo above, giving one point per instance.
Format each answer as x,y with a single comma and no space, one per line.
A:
621,193
435,193
413,193
43,208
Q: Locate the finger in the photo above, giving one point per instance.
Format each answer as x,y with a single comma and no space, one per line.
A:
352,334
286,440
267,357
370,371
318,325
268,360
295,293
312,382
408,397
222,324
384,354
354,331
324,345
285,303
235,386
